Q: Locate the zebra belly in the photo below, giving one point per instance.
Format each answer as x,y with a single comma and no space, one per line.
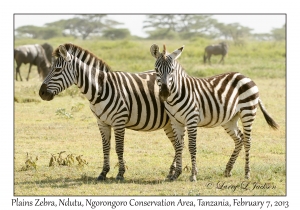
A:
203,117
137,119
143,121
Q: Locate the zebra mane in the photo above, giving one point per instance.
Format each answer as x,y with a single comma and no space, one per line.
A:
76,51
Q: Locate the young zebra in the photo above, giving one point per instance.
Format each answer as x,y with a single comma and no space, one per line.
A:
207,102
118,100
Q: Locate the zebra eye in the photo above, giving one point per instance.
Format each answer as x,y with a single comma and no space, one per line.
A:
58,69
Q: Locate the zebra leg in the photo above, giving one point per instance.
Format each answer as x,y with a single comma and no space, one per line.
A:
247,145
119,135
247,121
192,134
232,129
105,131
178,131
169,132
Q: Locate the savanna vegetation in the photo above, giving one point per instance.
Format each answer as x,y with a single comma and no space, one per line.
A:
156,26
65,125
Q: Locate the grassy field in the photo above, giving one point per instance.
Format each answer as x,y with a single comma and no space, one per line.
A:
66,124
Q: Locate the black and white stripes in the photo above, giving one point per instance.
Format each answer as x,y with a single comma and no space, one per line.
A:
176,102
220,100
119,100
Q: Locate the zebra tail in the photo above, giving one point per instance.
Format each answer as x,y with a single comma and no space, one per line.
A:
268,118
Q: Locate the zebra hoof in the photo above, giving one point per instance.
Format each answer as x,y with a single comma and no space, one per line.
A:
119,178
101,178
227,173
170,175
172,178
247,176
193,178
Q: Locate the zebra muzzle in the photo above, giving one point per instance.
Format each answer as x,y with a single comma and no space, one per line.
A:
45,94
164,92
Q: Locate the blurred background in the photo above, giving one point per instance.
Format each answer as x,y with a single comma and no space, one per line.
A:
256,43
166,26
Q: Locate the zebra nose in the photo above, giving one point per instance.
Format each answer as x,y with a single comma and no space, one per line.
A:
164,92
45,94
43,90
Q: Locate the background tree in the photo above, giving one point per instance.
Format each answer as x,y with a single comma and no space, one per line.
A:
120,33
160,25
63,26
279,33
234,31
197,25
27,31
85,25
36,32
185,26
262,36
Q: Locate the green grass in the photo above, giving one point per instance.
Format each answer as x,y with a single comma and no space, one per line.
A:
254,59
43,128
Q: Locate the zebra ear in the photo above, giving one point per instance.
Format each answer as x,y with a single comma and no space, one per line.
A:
154,49
64,53
177,53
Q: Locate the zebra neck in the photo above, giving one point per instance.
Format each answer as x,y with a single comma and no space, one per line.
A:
90,80
177,89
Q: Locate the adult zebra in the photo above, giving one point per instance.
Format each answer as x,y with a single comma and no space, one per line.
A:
118,100
207,102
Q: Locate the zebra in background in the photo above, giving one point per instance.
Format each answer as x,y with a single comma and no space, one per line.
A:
118,100
207,102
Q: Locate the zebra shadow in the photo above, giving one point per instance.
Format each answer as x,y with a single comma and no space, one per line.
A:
64,182
140,181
